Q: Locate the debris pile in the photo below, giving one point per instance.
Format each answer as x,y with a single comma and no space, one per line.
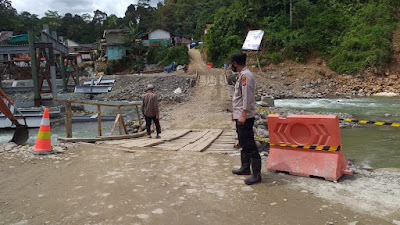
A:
11,150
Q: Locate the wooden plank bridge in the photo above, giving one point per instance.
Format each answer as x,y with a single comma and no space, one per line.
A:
192,140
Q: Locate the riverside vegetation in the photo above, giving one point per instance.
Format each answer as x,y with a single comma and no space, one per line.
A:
350,35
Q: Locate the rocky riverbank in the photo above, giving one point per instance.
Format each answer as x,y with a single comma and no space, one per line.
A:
173,87
316,80
342,86
168,87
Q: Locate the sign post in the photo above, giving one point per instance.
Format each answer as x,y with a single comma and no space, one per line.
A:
253,42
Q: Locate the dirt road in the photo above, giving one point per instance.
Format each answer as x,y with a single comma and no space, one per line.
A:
210,103
99,184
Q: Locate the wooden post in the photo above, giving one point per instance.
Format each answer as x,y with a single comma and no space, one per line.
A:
99,120
35,79
120,121
68,119
138,115
258,61
53,77
115,124
63,75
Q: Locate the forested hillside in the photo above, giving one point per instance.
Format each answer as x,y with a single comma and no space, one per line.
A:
350,35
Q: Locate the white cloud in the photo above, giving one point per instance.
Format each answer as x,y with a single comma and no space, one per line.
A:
39,7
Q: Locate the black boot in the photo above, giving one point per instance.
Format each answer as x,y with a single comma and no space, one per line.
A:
245,168
256,175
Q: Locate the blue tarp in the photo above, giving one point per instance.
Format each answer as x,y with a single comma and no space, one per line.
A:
169,68
177,35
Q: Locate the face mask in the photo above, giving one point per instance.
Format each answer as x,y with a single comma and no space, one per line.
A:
234,68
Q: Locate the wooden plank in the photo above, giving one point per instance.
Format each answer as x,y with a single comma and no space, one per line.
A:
195,136
120,137
226,138
213,136
120,149
176,135
117,142
213,147
136,143
204,142
92,103
192,134
225,141
168,136
229,133
222,150
74,140
221,146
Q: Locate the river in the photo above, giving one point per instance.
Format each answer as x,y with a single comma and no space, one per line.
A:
80,130
371,146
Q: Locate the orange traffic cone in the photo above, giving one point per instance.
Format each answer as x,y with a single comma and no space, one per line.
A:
43,141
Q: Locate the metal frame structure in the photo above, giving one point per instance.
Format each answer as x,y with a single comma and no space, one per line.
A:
41,69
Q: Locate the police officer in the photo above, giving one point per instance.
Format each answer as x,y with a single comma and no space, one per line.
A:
243,103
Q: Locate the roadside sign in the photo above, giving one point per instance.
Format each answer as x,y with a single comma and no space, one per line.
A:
253,40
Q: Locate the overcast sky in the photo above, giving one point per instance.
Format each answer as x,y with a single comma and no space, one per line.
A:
39,7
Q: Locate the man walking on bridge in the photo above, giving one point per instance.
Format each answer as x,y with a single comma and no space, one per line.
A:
243,114
150,110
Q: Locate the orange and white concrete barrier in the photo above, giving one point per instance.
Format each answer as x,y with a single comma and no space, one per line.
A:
307,145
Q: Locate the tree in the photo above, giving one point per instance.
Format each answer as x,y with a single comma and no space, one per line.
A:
99,17
27,21
8,15
87,17
53,19
135,47
112,21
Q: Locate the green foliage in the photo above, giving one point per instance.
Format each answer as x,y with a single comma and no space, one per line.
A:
133,41
274,57
167,55
350,35
225,37
110,68
367,43
156,54
135,64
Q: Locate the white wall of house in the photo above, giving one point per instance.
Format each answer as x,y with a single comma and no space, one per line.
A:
159,34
